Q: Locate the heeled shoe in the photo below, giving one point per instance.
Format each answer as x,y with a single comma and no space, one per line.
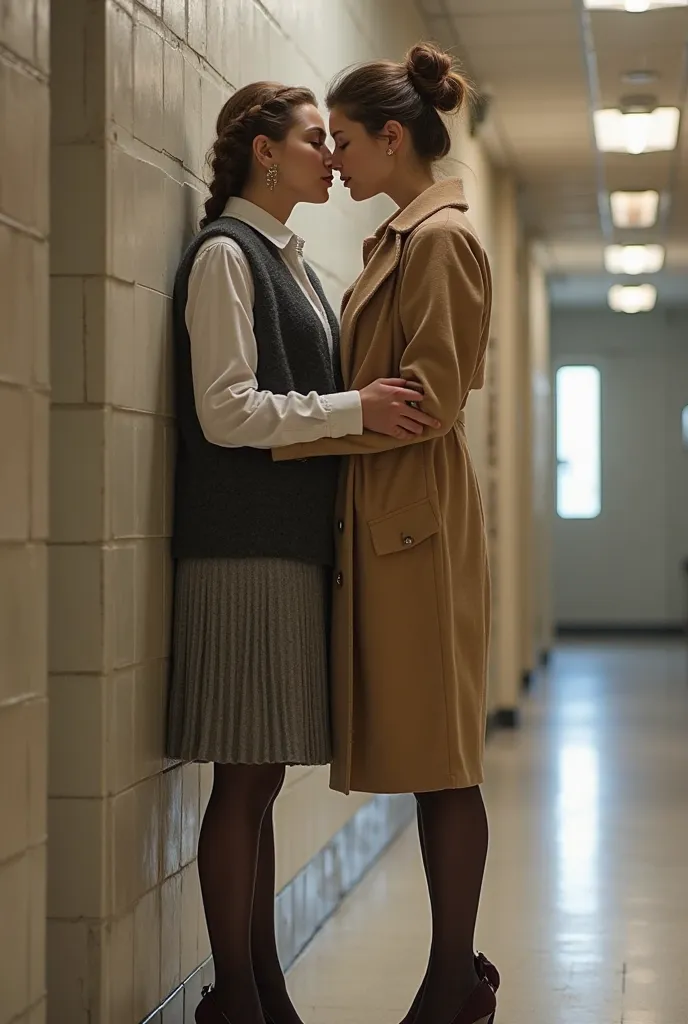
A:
480,1007
485,970
203,1013
208,1010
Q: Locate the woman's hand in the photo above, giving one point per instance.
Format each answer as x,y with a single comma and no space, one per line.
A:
387,408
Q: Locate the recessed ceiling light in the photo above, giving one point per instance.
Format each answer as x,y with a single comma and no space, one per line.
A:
653,132
633,259
634,209
632,299
632,6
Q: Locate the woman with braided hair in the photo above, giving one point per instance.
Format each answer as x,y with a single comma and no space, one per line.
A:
257,368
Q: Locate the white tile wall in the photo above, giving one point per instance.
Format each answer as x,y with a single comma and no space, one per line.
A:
24,153
120,66
24,401
78,229
148,85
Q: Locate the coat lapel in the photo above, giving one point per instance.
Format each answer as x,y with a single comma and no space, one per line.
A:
380,267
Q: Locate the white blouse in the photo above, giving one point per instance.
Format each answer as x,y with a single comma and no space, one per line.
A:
224,354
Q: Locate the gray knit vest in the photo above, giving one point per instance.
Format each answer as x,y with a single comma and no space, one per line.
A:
237,502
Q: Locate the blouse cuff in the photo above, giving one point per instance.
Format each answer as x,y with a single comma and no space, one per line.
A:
345,414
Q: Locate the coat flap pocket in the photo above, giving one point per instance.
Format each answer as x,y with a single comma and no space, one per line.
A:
404,529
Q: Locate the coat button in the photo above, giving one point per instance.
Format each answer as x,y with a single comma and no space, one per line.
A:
408,541
340,579
340,526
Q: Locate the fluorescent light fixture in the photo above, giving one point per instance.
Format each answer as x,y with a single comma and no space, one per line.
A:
632,6
633,259
652,132
634,209
632,299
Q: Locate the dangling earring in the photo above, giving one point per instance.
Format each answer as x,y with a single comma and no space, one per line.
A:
272,177
390,151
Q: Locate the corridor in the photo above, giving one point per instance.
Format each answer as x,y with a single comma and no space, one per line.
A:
125,125
585,903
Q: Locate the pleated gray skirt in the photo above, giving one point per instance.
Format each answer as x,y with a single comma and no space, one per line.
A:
249,680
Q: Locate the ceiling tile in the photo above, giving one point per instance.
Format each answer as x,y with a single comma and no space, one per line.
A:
514,31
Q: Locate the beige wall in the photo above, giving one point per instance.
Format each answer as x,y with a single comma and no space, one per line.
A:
137,89
525,480
542,454
506,563
469,160
24,405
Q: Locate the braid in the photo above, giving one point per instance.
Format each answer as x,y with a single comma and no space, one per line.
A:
265,108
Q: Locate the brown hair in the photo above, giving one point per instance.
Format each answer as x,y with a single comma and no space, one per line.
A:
411,92
263,108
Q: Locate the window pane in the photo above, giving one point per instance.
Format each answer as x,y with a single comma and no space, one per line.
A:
578,442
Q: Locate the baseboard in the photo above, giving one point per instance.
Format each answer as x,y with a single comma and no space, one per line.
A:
305,903
639,629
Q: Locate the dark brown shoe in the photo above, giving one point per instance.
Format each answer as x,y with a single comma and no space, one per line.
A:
209,1010
485,970
480,1007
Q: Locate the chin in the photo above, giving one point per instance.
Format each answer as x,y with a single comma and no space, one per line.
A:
318,197
359,194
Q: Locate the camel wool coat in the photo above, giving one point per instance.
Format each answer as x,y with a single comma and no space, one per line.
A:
411,583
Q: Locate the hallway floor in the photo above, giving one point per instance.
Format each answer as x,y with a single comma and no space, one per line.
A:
585,906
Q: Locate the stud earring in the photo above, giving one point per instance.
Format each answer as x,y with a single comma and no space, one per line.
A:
390,151
272,177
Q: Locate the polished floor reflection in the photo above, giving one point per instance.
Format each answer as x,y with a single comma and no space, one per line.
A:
586,899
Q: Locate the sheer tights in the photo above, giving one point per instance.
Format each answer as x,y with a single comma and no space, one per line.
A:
236,863
452,827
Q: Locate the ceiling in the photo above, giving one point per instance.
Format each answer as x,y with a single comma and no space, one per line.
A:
546,65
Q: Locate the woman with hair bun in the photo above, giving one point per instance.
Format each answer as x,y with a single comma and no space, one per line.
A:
411,603
256,366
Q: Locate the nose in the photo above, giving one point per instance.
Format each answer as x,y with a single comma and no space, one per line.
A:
327,159
335,162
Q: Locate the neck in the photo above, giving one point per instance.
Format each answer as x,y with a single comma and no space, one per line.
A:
409,185
276,203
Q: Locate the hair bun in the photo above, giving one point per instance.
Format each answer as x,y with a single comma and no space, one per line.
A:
432,74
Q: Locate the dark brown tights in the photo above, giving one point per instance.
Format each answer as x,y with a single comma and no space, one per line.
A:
452,827
236,863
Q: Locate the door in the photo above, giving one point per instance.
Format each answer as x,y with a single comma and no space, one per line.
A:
618,564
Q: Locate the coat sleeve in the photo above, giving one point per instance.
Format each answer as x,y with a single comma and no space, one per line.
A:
443,296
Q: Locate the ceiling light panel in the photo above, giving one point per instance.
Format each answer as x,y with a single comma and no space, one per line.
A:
632,6
634,259
634,209
653,132
632,299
